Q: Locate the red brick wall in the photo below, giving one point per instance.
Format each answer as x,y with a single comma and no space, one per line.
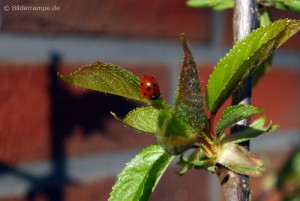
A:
127,18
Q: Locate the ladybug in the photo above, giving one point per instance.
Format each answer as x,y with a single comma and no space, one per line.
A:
149,87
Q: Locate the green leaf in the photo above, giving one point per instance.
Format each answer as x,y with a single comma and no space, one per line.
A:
106,78
255,129
186,166
188,162
143,119
189,102
265,66
264,17
111,79
140,176
292,27
235,113
174,134
294,5
244,57
215,4
239,160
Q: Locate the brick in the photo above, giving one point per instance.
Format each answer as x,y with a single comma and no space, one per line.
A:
42,117
89,191
278,93
98,190
292,44
191,186
24,112
163,19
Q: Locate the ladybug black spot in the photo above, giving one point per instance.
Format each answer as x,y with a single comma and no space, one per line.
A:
155,96
149,88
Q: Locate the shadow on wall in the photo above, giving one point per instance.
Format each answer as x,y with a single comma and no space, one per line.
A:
88,111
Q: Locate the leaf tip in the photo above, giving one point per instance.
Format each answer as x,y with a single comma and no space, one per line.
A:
62,76
182,36
273,127
183,41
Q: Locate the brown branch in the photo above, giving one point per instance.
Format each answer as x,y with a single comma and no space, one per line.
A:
236,186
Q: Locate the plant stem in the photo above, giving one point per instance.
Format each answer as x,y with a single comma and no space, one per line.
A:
236,186
211,124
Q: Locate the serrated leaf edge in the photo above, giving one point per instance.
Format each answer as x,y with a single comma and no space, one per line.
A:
233,49
129,125
128,164
258,110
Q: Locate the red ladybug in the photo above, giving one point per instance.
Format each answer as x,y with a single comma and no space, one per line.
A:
149,87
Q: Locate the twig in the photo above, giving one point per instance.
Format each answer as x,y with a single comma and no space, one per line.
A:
236,186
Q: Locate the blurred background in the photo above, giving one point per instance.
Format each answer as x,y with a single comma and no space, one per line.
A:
60,143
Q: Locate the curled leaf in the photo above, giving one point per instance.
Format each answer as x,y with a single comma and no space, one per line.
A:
173,133
239,160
